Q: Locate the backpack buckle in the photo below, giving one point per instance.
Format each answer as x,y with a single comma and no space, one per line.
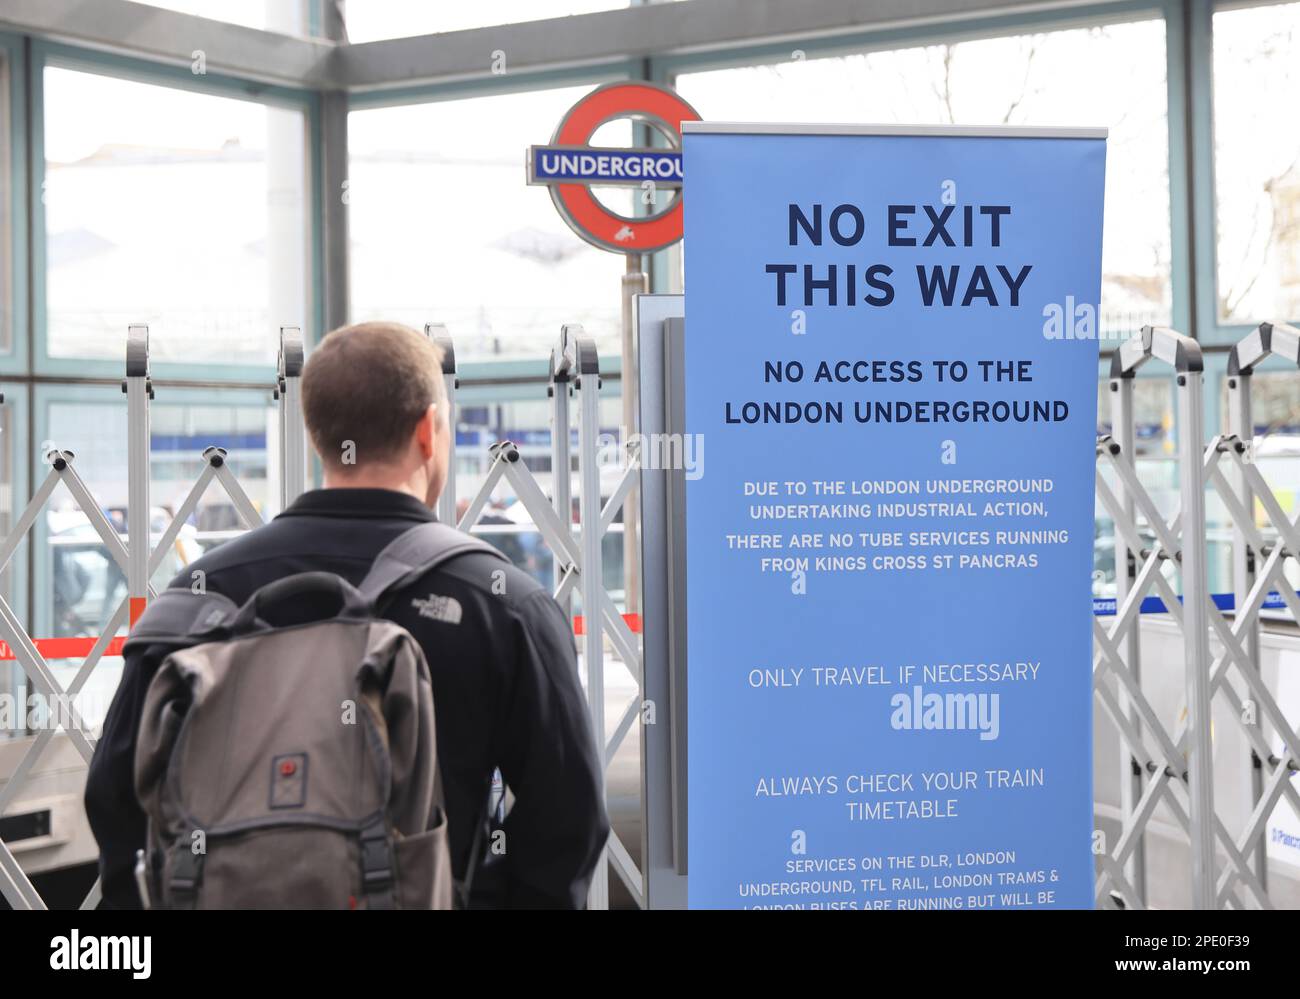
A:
186,873
377,865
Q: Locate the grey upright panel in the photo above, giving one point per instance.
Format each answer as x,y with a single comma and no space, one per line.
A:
663,744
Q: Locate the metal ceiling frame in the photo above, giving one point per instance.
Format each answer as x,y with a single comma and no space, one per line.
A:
172,38
344,77
606,38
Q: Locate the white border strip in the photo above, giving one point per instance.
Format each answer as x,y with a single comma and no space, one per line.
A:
949,131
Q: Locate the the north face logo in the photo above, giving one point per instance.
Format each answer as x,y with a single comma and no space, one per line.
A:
436,608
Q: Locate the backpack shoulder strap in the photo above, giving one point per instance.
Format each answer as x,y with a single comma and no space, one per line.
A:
178,616
415,552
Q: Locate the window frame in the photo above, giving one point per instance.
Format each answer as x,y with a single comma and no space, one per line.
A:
1189,42
507,369
49,54
13,206
666,69
1214,331
17,401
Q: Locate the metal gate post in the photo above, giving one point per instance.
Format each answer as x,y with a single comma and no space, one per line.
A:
1267,339
635,282
561,460
660,335
1241,423
139,390
293,436
1123,429
587,385
1183,540
1196,643
576,366
437,332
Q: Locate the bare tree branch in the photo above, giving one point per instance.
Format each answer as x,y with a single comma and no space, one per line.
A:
1024,85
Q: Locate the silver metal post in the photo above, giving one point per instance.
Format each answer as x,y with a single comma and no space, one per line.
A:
1123,430
561,461
437,332
1267,339
635,282
1241,423
139,390
585,366
1200,772
1187,547
663,757
331,136
293,435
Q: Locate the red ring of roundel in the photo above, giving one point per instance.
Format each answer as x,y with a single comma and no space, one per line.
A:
584,210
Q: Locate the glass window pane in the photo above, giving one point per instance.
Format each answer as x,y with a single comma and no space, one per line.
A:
1275,408
81,585
372,20
1042,79
185,211
504,521
13,683
1257,162
86,584
1153,415
1157,469
444,228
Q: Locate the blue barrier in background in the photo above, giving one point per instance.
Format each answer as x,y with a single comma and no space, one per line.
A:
1104,606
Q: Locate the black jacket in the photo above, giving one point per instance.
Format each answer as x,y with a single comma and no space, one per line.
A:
505,687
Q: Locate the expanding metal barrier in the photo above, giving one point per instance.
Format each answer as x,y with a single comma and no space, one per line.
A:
574,379
1253,590
1159,769
1175,765
1167,762
136,556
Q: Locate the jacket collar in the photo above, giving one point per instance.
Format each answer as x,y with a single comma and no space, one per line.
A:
354,503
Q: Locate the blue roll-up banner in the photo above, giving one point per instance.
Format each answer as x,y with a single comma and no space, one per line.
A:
891,367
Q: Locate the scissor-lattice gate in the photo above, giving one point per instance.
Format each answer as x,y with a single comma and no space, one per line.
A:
577,551
136,556
1164,765
574,385
1174,765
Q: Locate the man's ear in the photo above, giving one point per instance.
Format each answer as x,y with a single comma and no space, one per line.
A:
425,431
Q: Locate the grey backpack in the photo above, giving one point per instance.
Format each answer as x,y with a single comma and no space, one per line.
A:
286,755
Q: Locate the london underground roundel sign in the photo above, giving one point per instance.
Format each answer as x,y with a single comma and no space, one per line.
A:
570,166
